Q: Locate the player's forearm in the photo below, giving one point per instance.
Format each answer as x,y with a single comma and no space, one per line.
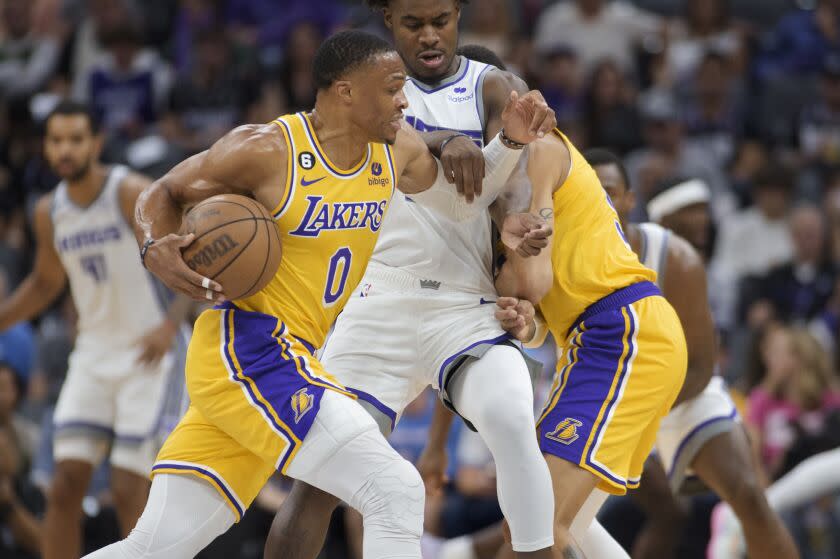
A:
157,212
500,162
32,297
525,278
440,426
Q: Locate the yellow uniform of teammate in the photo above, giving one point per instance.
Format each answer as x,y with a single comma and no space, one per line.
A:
623,356
254,382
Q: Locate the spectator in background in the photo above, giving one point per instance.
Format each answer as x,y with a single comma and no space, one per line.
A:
20,502
794,389
262,24
713,113
295,74
597,29
102,17
800,42
705,26
561,85
128,86
799,290
610,115
668,154
26,59
754,240
489,23
819,127
208,100
193,17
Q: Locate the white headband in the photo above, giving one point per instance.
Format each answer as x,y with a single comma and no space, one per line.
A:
694,191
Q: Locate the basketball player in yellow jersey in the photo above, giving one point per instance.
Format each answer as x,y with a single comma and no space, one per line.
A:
260,400
623,350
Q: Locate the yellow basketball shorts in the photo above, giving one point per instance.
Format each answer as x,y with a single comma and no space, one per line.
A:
622,366
254,391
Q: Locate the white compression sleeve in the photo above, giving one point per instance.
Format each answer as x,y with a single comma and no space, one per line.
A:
588,534
499,163
182,516
499,380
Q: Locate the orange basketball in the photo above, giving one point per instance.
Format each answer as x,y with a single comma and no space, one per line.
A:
237,243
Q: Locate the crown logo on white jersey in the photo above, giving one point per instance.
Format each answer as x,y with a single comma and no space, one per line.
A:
429,284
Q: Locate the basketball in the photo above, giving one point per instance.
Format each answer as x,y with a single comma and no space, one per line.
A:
237,243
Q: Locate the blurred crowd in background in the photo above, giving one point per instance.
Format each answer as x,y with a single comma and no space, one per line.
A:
743,94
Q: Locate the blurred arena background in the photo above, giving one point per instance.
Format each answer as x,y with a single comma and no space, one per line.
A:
743,94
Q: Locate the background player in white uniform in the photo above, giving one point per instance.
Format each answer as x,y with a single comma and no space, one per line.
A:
436,272
702,434
112,397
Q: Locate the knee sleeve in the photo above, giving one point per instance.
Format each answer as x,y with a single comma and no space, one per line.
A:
393,499
496,395
182,516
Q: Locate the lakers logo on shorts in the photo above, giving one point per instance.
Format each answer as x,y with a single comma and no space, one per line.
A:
566,431
302,402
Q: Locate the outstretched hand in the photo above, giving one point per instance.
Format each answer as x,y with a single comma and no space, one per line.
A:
527,117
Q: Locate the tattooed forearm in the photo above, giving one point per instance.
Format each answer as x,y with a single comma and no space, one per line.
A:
547,213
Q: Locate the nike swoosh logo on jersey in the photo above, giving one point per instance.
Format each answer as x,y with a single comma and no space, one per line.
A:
304,182
484,301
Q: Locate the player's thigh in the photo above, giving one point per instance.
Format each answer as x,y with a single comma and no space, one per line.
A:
689,426
199,449
85,412
619,372
375,356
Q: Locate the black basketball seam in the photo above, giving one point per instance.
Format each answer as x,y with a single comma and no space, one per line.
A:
238,254
265,262
240,220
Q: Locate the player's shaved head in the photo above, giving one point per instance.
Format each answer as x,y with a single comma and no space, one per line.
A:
345,52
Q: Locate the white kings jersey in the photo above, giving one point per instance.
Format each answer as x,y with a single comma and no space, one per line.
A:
655,250
116,299
419,240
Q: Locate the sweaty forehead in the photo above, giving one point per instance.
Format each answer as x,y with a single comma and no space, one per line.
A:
385,66
422,9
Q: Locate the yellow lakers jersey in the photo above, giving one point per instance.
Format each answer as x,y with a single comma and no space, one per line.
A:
590,255
329,220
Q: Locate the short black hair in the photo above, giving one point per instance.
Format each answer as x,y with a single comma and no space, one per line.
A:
68,107
382,4
481,54
342,53
603,156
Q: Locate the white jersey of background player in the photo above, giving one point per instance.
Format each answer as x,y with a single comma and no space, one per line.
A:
114,393
425,310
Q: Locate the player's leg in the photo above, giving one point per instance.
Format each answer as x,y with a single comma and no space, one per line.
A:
572,486
727,465
664,517
63,518
83,430
140,396
182,516
495,394
345,454
300,526
815,477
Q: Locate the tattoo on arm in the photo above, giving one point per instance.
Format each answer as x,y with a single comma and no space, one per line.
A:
570,553
547,213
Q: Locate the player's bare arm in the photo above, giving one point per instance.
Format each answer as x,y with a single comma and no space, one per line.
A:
46,280
526,276
250,160
158,341
685,288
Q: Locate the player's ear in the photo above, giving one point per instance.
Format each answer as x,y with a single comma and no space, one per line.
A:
98,143
344,91
388,18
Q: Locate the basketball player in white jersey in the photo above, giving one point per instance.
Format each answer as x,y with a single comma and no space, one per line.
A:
435,270
112,397
702,435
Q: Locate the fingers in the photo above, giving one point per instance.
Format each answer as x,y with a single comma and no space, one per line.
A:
459,180
469,188
540,112
506,302
511,102
447,162
548,124
182,241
